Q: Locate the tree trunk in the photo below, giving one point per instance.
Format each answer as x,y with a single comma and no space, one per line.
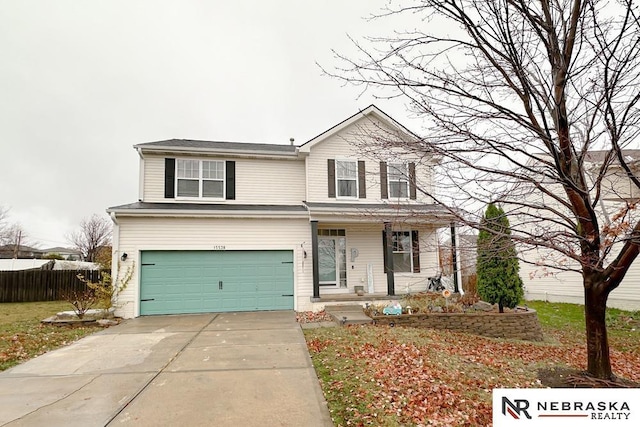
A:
595,305
500,307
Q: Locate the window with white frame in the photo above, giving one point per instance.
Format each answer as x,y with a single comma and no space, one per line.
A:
213,179
347,178
200,178
402,252
398,177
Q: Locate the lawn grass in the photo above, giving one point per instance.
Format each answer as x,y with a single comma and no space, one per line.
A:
375,375
558,315
622,326
23,336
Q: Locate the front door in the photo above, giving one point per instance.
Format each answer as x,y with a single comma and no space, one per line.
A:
332,261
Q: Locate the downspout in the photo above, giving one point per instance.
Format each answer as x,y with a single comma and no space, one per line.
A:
315,260
140,176
115,247
454,258
391,285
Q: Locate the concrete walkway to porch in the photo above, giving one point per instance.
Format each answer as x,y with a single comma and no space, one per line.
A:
348,314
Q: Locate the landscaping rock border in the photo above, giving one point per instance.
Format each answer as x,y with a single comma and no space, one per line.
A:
94,316
521,324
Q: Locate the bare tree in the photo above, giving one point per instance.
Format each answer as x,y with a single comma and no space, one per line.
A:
3,223
94,233
15,235
11,234
529,104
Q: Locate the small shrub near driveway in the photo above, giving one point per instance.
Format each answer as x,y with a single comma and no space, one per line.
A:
23,337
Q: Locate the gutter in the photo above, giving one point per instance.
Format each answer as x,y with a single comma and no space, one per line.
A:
115,247
165,149
112,215
208,214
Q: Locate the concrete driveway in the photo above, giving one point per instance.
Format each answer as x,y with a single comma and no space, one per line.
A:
227,369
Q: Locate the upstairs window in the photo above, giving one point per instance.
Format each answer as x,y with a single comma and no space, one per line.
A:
213,179
347,178
200,178
398,181
188,175
398,176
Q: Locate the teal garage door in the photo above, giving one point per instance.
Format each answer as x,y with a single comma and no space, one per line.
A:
175,282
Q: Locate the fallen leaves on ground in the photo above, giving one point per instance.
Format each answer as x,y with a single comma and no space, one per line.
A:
377,375
32,340
313,316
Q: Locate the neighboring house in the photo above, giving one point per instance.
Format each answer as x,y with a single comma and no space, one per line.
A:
20,251
45,264
466,257
75,265
556,285
66,253
224,226
13,264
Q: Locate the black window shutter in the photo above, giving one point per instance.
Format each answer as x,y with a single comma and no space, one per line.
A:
384,249
362,180
230,180
331,173
412,181
384,193
415,251
169,178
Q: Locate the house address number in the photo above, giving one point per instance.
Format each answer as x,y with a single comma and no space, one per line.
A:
219,247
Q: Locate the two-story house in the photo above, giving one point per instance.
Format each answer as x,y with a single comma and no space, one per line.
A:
225,226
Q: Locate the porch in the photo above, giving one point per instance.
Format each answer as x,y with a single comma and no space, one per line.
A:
347,309
334,299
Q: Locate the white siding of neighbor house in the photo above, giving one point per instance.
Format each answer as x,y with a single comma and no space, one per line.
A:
140,234
549,284
616,185
563,286
258,181
347,145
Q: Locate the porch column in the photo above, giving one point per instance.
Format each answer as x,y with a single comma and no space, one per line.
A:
388,259
454,258
315,256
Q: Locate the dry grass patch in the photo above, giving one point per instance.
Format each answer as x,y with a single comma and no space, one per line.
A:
23,337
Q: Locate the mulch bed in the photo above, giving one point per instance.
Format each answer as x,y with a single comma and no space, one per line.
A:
573,378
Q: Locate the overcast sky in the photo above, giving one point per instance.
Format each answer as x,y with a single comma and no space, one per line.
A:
82,81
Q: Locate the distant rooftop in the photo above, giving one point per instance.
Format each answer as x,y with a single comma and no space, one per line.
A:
598,156
60,249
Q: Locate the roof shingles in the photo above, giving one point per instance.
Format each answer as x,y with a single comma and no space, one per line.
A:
219,146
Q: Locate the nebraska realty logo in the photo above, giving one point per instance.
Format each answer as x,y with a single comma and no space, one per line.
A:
571,406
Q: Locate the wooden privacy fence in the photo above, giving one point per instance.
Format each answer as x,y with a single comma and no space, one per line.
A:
42,285
470,283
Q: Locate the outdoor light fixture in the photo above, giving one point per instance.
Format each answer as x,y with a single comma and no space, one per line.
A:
124,256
